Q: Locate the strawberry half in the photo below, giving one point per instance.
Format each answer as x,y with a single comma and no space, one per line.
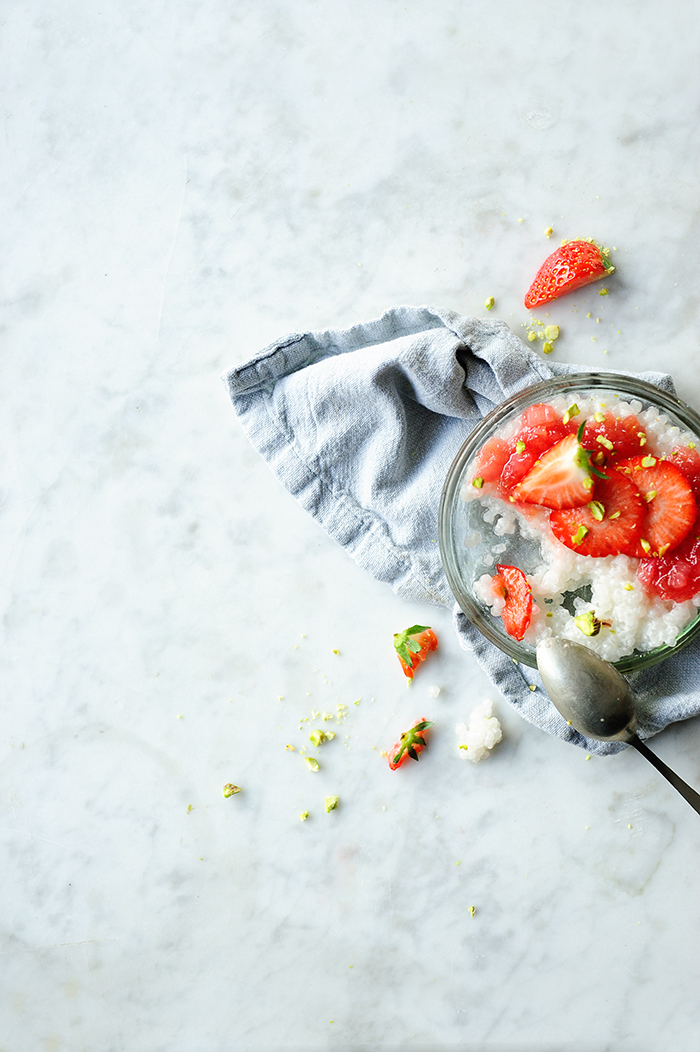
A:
517,613
608,525
670,505
561,478
573,265
412,645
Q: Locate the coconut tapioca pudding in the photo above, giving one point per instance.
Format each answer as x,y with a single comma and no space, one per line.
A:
582,523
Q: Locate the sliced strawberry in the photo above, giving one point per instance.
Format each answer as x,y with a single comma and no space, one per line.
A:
491,459
687,461
412,646
561,478
670,505
608,525
572,265
517,613
617,438
674,576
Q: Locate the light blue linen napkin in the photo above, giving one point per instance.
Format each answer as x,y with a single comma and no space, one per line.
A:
361,426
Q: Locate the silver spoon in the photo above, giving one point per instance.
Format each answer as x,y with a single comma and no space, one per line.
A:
597,701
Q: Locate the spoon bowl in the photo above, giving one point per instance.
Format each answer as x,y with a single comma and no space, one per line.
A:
595,699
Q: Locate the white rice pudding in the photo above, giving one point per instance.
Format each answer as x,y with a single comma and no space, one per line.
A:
639,622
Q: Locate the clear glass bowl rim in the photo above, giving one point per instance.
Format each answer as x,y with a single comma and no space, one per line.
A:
545,390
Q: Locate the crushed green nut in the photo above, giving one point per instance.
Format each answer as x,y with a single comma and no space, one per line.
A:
603,441
331,803
519,447
597,510
547,347
489,303
552,332
589,624
477,482
303,816
312,763
577,537
532,335
548,232
573,410
230,789
603,292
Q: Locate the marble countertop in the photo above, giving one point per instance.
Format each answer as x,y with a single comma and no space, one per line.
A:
183,183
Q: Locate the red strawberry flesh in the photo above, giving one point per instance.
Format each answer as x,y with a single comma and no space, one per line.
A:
675,576
583,530
560,478
670,510
517,612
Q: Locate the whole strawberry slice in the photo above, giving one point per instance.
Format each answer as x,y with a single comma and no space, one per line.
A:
670,505
608,525
561,478
517,613
573,265
412,645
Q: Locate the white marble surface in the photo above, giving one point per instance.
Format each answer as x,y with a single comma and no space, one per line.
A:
182,183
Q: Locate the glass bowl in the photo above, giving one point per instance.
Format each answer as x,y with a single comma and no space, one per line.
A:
471,534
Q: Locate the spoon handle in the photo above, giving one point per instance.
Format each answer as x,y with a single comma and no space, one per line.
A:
690,795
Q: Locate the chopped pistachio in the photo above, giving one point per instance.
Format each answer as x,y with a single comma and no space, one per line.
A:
691,445
230,789
587,483
642,438
303,816
589,624
489,303
312,762
597,510
573,410
629,587
662,550
519,447
552,332
472,911
532,335
547,347
331,803
603,441
599,417
317,737
645,545
478,482
548,232
615,515
577,537
189,808
603,292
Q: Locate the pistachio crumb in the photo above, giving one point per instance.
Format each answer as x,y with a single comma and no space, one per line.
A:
547,347
548,232
602,292
478,482
489,303
472,911
303,816
230,789
312,763
331,803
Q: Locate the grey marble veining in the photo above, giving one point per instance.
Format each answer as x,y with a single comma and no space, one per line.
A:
184,182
